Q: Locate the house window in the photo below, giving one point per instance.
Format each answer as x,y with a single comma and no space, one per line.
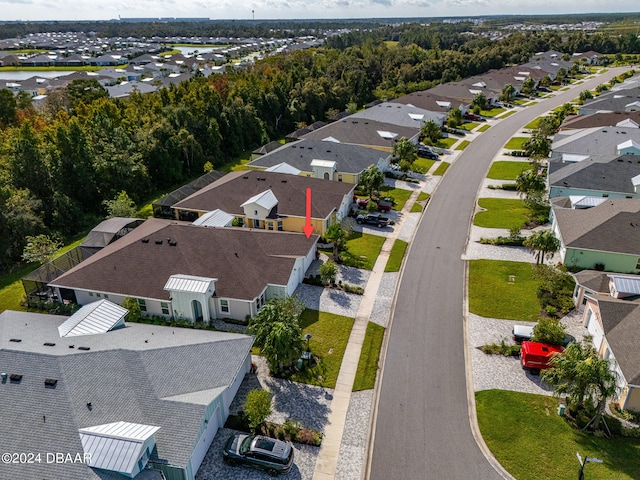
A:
143,304
270,225
255,213
279,225
91,294
97,295
605,195
638,265
256,223
106,296
224,306
339,177
165,308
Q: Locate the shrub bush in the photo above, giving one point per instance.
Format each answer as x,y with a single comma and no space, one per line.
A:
502,348
353,289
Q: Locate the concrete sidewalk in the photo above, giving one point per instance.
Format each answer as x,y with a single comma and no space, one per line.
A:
330,449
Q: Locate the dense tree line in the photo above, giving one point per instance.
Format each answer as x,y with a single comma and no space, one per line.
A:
58,166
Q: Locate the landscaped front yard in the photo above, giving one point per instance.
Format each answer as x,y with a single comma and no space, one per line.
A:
501,289
531,441
516,143
362,250
422,165
399,195
506,170
501,213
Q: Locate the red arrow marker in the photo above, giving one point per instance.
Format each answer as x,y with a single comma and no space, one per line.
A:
308,228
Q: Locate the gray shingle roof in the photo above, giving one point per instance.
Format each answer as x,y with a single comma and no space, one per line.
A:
363,132
612,101
124,378
598,141
611,175
399,114
232,190
598,120
621,322
132,267
351,159
613,226
593,280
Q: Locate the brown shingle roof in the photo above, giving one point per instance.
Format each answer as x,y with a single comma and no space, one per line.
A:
235,188
608,119
621,323
357,131
243,260
613,226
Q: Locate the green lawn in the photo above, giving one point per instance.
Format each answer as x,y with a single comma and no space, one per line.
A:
422,165
505,170
463,144
493,295
442,168
368,363
501,213
417,207
329,337
395,257
530,103
363,250
484,128
493,112
508,114
469,126
533,124
531,441
516,143
446,142
399,195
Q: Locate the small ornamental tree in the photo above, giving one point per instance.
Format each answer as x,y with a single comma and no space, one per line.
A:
134,309
328,272
549,330
371,179
120,206
257,407
40,249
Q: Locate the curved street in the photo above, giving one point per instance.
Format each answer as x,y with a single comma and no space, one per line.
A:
422,427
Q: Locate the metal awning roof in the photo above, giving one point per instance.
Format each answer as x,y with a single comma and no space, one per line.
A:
94,318
188,283
581,201
323,163
624,284
266,200
116,446
215,218
284,168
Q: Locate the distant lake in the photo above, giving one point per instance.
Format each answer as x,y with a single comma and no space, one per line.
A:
24,74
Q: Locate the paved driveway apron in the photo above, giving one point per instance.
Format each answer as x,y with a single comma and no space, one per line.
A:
422,428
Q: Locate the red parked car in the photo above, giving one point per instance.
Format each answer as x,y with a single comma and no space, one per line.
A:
535,356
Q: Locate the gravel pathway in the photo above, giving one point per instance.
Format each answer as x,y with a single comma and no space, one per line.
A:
356,437
409,226
384,298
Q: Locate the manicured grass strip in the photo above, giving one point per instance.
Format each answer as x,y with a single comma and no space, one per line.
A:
501,213
417,207
530,103
505,170
484,128
462,145
508,114
516,143
511,424
329,337
442,168
399,195
395,257
492,113
422,165
368,363
533,124
363,250
492,295
446,142
469,126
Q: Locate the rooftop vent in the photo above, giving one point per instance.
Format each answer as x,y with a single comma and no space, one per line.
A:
158,242
173,244
283,181
245,177
17,340
49,344
71,346
50,382
145,240
84,348
15,377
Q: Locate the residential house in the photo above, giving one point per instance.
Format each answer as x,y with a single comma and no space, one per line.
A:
366,133
590,57
616,177
122,400
627,100
606,236
341,162
465,92
176,269
577,145
427,100
72,60
614,325
267,148
125,89
271,200
602,119
400,114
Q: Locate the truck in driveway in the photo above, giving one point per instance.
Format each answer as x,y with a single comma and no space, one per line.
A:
373,219
535,356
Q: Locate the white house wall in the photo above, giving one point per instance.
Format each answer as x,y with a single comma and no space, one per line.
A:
343,210
251,209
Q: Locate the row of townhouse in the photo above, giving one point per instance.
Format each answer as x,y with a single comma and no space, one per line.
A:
594,189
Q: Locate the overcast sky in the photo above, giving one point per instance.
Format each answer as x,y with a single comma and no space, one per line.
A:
291,9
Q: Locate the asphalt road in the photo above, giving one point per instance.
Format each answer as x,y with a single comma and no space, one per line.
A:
422,428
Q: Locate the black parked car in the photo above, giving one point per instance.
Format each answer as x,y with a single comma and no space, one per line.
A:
274,456
424,152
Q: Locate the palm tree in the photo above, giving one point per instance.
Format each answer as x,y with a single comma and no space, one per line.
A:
508,93
579,373
405,150
529,181
538,146
371,179
542,243
338,236
431,130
